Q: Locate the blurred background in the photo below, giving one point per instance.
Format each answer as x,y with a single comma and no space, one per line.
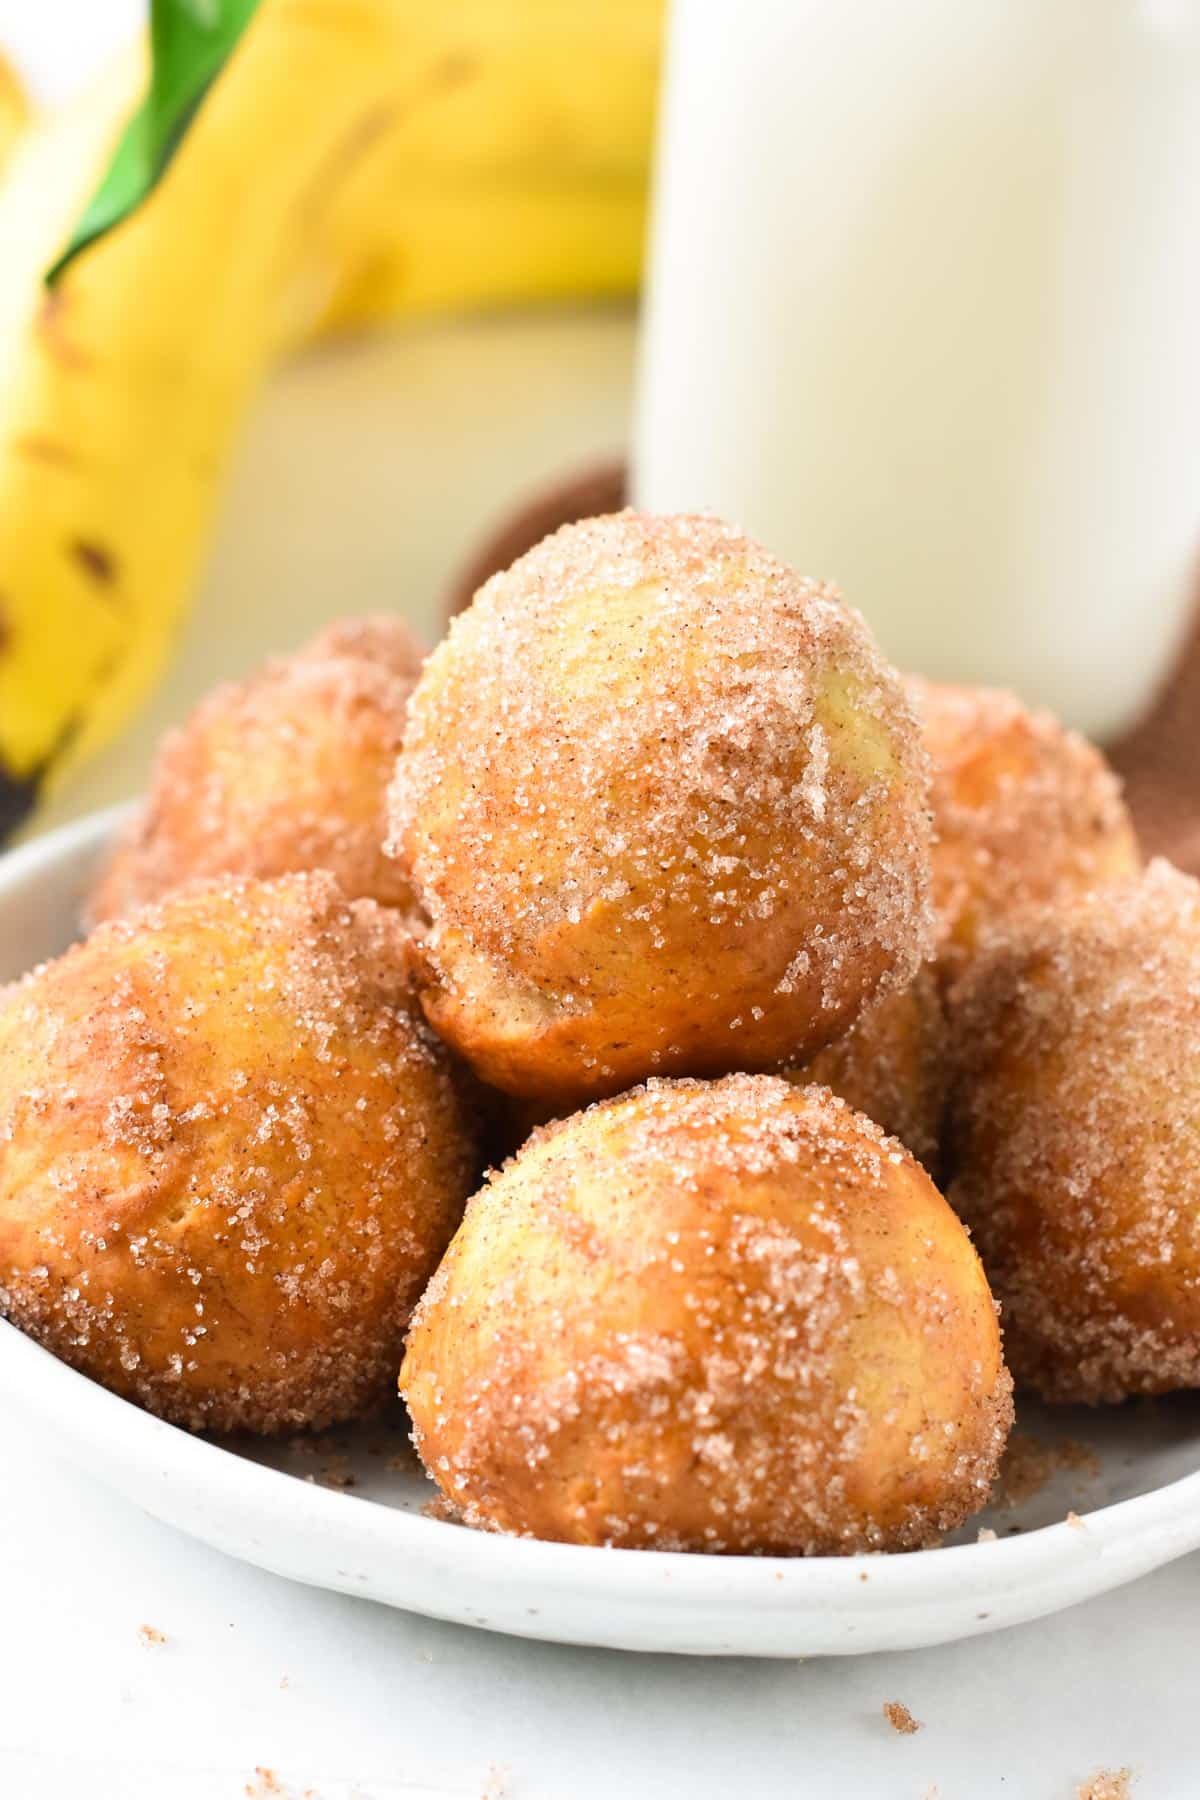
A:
366,470
918,286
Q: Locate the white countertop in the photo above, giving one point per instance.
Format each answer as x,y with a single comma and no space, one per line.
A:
355,1702
424,439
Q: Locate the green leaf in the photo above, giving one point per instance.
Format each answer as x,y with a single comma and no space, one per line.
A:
190,41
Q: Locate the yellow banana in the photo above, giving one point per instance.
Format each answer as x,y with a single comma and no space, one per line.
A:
527,179
356,160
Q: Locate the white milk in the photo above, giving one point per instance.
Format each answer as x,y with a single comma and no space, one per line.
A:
924,315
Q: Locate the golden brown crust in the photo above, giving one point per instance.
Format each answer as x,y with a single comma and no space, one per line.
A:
1074,1136
1024,812
891,1065
231,1153
727,1316
284,771
665,806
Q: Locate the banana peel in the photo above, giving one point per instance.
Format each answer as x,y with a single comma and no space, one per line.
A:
524,178
356,162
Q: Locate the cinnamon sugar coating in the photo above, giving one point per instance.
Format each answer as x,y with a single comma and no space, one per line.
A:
719,1316
665,806
285,770
1024,812
231,1153
891,1065
1074,1135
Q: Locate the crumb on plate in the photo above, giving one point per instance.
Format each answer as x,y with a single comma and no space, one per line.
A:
1029,1463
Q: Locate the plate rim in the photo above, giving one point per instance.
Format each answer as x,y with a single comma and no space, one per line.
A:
120,1423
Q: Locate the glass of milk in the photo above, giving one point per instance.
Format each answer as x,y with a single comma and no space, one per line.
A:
924,315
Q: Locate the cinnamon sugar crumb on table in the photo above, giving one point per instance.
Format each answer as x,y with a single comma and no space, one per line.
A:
265,1782
899,1718
1107,1784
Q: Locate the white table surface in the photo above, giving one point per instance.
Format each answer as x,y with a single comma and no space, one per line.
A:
355,1702
423,440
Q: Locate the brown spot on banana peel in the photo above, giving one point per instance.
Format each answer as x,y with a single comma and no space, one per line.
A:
450,71
344,157
46,450
51,328
95,560
456,67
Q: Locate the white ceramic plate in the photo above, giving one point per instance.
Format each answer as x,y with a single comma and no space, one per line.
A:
1137,1498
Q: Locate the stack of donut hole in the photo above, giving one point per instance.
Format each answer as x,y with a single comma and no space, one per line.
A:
657,882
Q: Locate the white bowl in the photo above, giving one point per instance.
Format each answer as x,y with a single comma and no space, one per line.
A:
1139,1509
